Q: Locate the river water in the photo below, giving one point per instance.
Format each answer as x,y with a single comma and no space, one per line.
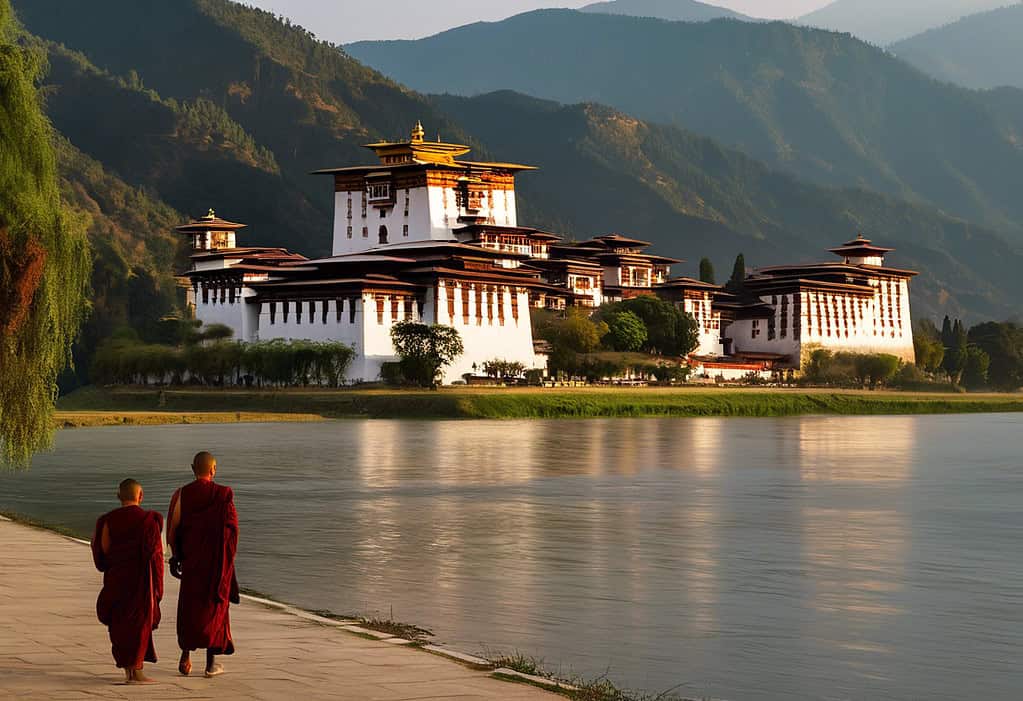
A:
743,559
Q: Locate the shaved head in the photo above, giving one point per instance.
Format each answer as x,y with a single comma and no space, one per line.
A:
204,464
129,492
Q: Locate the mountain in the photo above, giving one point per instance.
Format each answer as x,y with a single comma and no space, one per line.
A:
300,100
979,51
823,106
156,95
884,21
604,171
673,10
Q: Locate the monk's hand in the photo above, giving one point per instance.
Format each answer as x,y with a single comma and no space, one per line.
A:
175,568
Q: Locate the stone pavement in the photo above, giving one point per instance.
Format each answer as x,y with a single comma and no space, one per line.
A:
52,646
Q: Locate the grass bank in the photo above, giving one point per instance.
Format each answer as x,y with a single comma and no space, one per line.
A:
96,406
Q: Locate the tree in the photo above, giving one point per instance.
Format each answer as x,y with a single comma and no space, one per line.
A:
626,332
955,350
1003,344
737,283
670,331
930,351
424,351
44,258
707,271
875,369
976,367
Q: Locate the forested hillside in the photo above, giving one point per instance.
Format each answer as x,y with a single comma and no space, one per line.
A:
980,51
824,106
606,171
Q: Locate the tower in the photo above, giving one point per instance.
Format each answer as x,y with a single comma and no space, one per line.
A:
210,233
418,191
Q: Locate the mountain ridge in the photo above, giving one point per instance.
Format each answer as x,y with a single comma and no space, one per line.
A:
885,21
824,106
981,51
671,10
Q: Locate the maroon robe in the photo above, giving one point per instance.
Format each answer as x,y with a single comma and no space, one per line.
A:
129,603
205,544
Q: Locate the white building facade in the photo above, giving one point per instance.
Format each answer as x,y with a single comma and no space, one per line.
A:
423,236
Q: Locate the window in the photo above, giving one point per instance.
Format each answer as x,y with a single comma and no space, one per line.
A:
298,312
365,232
380,309
383,234
349,232
784,316
339,307
273,313
772,327
379,192
351,310
285,306
756,328
404,230
325,305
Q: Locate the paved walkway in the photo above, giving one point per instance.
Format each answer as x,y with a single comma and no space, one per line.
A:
52,646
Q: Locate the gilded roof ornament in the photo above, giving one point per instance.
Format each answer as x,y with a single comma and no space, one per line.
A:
418,133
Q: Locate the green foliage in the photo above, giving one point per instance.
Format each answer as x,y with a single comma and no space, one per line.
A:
843,369
123,359
707,271
1003,343
929,348
875,369
424,351
44,258
626,332
737,282
954,339
670,331
976,367
500,369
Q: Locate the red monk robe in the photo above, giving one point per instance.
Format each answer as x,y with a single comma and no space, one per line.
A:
205,543
129,603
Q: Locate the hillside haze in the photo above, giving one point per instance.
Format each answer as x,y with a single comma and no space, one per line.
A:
674,10
823,106
981,51
885,21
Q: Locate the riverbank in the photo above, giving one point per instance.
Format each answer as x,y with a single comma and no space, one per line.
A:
53,647
120,406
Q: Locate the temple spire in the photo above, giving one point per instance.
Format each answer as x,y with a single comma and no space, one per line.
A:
418,133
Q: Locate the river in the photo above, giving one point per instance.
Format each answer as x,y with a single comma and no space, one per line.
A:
741,559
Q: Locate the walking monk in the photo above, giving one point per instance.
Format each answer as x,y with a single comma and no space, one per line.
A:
202,531
127,548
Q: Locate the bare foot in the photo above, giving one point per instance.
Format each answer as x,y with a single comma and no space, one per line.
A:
215,671
185,665
139,677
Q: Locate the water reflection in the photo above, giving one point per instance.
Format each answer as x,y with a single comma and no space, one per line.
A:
745,559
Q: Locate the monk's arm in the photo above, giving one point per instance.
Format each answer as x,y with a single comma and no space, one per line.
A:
98,550
173,520
156,562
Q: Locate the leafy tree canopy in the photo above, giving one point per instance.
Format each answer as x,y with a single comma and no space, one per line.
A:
670,331
626,332
424,351
44,258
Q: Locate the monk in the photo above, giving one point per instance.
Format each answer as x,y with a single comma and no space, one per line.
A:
127,548
202,531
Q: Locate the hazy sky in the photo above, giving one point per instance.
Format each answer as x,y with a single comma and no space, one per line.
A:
343,21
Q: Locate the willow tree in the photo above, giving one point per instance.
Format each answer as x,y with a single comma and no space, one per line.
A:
44,257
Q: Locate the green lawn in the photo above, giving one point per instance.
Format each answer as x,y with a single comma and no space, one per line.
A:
195,405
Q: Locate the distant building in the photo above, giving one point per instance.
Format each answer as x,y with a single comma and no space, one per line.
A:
857,305
422,235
